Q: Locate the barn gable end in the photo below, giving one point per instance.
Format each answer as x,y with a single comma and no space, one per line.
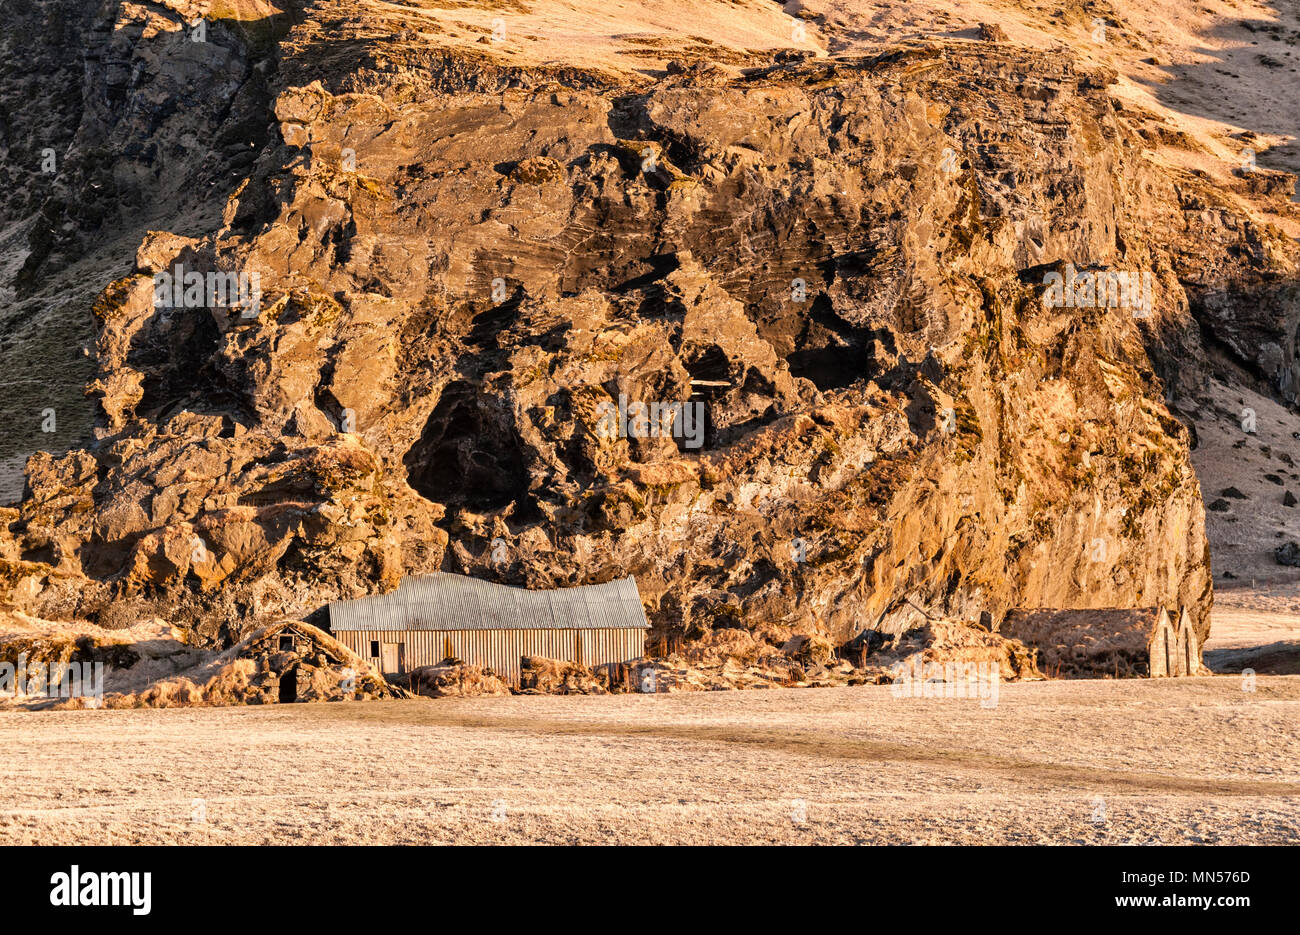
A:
1189,647
1163,648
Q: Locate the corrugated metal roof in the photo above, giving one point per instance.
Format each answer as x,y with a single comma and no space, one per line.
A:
443,601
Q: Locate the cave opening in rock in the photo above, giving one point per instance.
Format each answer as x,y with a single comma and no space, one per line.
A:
830,352
710,368
174,353
468,454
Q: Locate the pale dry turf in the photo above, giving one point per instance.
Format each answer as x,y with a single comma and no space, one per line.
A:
1168,761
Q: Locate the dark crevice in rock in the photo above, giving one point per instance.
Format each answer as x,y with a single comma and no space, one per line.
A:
831,352
468,454
176,354
660,266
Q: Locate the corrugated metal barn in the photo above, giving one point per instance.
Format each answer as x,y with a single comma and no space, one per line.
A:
430,618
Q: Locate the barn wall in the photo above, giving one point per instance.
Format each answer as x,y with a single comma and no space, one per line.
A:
500,649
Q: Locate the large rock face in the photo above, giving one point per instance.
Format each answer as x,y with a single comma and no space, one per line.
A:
464,266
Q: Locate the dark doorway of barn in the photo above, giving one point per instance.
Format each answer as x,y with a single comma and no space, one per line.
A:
289,686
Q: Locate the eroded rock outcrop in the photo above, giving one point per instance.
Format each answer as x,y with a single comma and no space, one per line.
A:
463,266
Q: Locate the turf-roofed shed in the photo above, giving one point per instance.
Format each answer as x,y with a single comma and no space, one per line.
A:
1113,642
430,619
281,662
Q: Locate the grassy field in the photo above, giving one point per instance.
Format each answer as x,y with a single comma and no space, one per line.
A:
1178,761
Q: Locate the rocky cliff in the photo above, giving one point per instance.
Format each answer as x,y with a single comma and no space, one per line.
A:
473,259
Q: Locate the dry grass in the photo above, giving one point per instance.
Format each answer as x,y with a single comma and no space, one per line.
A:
1182,761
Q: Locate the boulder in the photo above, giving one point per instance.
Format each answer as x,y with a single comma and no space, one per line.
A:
1287,554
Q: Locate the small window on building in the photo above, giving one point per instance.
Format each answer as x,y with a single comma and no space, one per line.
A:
286,644
374,648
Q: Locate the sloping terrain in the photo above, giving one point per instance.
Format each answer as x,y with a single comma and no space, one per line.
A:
477,227
1215,72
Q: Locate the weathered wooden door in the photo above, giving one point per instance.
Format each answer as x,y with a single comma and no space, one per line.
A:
391,657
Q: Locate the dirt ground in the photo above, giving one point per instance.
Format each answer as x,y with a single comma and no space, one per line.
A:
1255,628
1177,761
